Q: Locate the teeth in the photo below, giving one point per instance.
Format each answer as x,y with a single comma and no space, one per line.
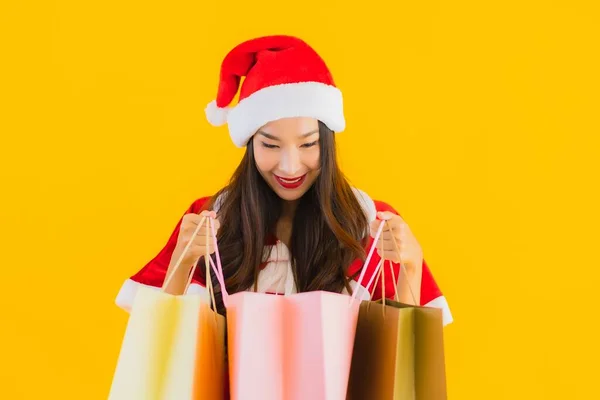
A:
290,181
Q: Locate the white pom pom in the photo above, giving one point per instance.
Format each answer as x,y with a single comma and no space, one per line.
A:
215,115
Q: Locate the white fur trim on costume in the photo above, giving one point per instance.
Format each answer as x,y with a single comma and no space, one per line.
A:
441,302
277,276
367,204
129,289
304,99
216,115
219,202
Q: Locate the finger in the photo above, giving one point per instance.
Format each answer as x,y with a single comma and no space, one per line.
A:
389,235
204,250
383,231
215,223
191,221
399,235
375,225
396,225
193,218
203,233
202,238
388,241
385,215
208,213
401,230
199,252
389,248
389,255
389,215
390,245
199,245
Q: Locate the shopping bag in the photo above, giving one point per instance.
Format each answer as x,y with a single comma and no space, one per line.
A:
173,347
398,351
292,347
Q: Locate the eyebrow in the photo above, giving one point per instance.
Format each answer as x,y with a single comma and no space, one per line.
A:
269,136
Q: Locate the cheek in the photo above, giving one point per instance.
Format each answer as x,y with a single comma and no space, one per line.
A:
265,160
312,160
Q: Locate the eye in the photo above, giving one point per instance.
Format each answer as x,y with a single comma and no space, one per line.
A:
307,145
269,146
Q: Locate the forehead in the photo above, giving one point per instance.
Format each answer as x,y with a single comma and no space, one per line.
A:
291,127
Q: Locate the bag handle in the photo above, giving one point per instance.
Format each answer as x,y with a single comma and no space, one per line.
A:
380,268
180,260
402,270
218,268
380,272
208,261
209,285
364,267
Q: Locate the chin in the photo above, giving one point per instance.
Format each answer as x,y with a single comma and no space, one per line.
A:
290,194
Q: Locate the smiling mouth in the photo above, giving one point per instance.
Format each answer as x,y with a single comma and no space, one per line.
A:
290,183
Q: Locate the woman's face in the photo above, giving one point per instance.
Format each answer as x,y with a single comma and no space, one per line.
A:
287,155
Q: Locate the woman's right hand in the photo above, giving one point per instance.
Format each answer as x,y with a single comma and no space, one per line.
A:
198,248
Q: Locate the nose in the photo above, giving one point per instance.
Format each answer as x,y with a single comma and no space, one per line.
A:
290,162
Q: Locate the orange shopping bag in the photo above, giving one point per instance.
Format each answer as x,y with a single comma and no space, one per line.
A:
173,347
398,351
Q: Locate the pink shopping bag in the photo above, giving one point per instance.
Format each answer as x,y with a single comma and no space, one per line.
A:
292,347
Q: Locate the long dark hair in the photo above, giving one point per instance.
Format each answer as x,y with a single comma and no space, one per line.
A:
329,229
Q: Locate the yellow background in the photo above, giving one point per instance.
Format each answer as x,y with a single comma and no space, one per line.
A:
477,120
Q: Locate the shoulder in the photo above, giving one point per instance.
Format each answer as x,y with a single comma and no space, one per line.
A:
370,205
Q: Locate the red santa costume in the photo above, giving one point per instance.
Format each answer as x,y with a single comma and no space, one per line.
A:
284,77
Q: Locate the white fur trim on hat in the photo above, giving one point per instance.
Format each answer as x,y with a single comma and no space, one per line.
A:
216,115
304,99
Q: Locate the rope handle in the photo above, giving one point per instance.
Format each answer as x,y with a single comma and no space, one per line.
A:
180,260
218,269
380,268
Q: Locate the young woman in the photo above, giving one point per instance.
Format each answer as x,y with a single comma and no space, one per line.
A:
288,221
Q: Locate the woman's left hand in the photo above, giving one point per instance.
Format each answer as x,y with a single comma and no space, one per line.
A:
411,254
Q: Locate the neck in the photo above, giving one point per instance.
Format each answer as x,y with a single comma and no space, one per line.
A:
283,230
288,209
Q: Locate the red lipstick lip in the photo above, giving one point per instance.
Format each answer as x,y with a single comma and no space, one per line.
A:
288,185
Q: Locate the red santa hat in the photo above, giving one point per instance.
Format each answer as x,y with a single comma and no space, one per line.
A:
284,77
